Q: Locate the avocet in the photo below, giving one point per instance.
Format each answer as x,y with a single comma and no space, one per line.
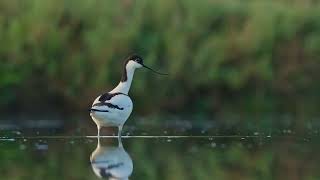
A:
113,108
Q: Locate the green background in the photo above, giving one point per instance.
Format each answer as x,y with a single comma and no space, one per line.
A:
243,57
245,67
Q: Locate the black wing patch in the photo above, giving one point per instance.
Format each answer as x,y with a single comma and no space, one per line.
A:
99,162
98,110
105,174
107,96
111,166
107,104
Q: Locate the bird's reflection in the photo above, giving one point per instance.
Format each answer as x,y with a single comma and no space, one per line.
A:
111,162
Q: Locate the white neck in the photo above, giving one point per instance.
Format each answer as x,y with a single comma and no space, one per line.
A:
124,86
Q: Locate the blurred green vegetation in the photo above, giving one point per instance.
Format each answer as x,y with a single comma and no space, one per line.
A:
178,160
223,56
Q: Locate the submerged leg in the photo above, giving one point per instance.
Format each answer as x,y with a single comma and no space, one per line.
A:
119,132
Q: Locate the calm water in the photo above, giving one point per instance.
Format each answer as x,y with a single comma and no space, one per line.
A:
55,151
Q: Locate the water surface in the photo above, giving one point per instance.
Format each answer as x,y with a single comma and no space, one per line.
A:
171,152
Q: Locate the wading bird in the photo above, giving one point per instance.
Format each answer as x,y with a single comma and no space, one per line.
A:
114,108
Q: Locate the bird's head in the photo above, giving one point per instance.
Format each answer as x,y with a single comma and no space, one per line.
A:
136,61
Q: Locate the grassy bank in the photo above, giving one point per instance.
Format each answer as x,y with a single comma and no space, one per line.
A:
249,57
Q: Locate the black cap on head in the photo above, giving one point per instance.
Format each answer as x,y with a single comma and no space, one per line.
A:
135,58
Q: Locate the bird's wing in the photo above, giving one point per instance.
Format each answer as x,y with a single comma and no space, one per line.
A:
108,96
114,103
121,100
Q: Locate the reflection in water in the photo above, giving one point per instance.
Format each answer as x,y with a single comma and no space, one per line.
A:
223,158
111,162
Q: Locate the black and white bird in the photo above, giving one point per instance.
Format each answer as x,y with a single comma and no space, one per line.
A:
114,108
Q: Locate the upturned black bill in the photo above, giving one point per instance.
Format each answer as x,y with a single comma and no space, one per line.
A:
154,70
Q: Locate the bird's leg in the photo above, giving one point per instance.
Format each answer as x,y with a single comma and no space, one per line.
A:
98,141
119,142
119,133
98,127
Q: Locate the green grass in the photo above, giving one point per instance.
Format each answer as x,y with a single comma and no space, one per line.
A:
250,57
